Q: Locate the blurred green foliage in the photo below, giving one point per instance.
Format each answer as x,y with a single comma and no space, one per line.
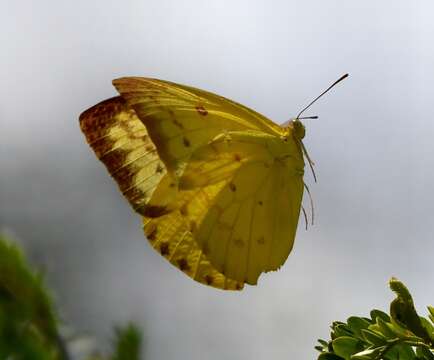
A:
402,335
29,326
127,343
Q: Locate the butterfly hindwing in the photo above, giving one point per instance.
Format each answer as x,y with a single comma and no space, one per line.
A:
249,223
172,235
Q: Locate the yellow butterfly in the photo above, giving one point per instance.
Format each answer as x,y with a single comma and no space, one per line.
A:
219,186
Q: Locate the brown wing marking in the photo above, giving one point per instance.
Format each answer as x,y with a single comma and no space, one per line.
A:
120,140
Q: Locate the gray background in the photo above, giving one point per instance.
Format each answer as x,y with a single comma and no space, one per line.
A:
372,145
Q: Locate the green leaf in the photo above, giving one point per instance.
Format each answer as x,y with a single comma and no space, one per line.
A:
406,352
341,329
329,356
385,328
356,324
323,342
379,314
346,346
400,289
336,324
393,331
424,353
373,337
323,347
401,352
368,354
428,327
403,312
431,312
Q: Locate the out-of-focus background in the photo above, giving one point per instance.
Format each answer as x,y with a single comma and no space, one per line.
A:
372,147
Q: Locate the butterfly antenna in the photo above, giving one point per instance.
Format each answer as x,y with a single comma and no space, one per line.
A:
311,201
326,90
307,117
305,215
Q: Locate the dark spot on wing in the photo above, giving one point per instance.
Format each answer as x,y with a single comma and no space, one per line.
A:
159,169
186,142
201,110
164,248
261,240
193,226
151,231
209,279
232,187
183,210
205,248
183,264
154,211
177,123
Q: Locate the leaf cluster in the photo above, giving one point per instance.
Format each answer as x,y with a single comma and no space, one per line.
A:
402,335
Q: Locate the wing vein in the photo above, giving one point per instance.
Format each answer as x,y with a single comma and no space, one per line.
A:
230,237
141,181
120,146
274,225
134,160
251,219
177,244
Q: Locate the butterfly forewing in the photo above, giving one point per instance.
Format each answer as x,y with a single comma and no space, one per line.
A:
180,119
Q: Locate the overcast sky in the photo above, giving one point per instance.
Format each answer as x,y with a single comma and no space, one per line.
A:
373,148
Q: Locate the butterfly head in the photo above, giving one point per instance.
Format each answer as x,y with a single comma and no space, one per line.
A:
298,129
